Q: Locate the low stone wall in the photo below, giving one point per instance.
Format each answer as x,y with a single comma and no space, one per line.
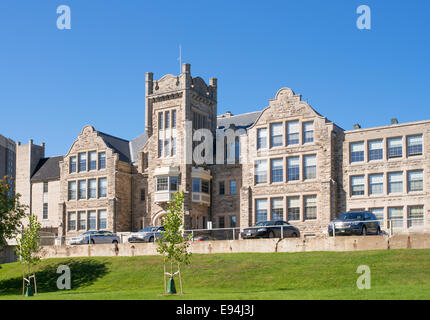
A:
418,241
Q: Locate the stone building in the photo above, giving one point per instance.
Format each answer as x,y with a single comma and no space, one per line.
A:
285,162
7,160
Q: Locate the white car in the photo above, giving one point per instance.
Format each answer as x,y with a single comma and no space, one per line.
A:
93,237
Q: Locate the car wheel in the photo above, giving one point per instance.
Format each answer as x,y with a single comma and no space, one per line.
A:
271,234
295,235
364,231
115,242
151,239
378,232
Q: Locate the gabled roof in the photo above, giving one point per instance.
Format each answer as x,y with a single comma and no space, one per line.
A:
119,146
47,169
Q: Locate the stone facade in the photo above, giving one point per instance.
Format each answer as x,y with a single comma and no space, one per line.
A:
294,165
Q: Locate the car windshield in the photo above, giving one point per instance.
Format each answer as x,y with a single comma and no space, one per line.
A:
148,229
88,233
351,216
265,223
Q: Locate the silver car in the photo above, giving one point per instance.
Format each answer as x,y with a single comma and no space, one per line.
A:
148,234
95,237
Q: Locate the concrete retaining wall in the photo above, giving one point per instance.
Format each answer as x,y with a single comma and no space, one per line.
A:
418,241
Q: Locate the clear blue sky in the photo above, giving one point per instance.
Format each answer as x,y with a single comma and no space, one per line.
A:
54,82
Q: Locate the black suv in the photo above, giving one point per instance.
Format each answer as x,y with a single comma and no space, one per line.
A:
270,229
359,223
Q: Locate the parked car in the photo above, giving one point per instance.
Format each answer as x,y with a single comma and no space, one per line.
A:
148,234
270,229
202,238
359,223
95,237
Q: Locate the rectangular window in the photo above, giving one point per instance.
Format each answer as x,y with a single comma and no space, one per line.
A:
166,148
196,185
308,132
277,168
221,188
92,188
415,216
261,210
167,119
162,183
92,160
71,221
173,118
142,195
310,167
45,211
82,220
233,221
379,213
293,208
233,187
72,190
160,148
396,216
357,186
82,191
415,181
102,188
205,186
102,160
173,146
395,147
261,138
293,128
415,145
261,171
376,150
221,222
72,168
310,212
293,165
160,121
376,184
102,219
173,183
395,182
82,162
45,187
357,151
92,220
277,209
276,136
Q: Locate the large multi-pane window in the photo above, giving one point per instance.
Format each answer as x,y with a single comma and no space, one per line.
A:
395,182
82,220
102,188
71,221
415,145
357,152
308,132
260,210
415,181
357,186
376,150
293,132
102,160
310,209
160,121
173,118
293,165
276,135
72,168
395,147
92,188
102,219
379,213
233,187
310,167
45,211
72,190
82,162
92,220
376,184
293,204
395,214
162,183
167,120
277,173
92,160
261,171
82,191
261,138
415,216
277,209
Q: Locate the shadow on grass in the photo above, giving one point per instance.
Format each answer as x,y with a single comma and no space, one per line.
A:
83,273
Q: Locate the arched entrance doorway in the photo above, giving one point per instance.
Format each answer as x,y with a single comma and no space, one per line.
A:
158,218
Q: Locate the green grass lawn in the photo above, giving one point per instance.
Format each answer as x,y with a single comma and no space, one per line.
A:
395,274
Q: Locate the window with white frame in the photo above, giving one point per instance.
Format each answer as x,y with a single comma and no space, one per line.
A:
261,138
395,214
162,183
72,166
82,220
277,168
167,120
379,213
376,150
173,146
72,190
293,167
415,181
277,209
357,152
310,209
102,160
310,166
92,160
160,148
160,121
293,204
357,186
82,189
261,171
415,145
395,182
260,210
71,221
415,216
308,132
293,133
102,219
102,188
173,182
276,135
395,147
166,148
92,188
82,165
92,220
196,184
173,118
376,184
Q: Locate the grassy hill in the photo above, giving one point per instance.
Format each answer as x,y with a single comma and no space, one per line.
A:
396,274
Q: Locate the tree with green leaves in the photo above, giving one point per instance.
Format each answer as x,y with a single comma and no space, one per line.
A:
28,248
172,244
11,212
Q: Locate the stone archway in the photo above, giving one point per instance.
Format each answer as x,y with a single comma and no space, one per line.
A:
157,220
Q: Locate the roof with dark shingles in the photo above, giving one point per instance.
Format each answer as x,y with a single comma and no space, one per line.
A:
47,169
240,121
118,145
